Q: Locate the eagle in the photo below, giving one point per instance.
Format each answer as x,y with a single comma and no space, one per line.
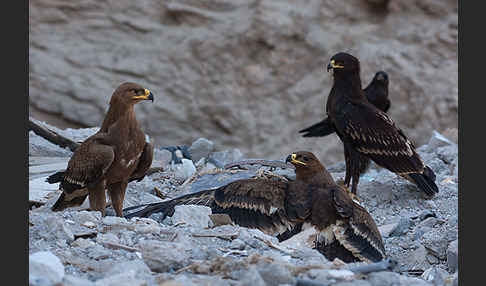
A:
366,130
115,155
377,94
345,229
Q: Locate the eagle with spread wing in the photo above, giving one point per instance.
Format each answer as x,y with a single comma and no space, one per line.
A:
367,131
115,155
346,230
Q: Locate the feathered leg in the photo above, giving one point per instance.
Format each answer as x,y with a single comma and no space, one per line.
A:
117,194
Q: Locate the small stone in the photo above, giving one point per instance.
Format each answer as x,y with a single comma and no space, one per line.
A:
126,278
194,215
201,148
70,280
45,267
250,277
436,275
401,228
107,238
416,259
436,243
437,140
432,259
83,243
89,224
185,170
426,214
386,229
114,220
138,266
220,219
430,222
275,274
225,157
163,156
352,283
452,256
237,244
420,231
164,256
341,274
383,278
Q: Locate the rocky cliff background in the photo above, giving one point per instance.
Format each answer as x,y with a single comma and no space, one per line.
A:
246,74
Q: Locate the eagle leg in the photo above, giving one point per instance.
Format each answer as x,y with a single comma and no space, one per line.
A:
117,194
97,197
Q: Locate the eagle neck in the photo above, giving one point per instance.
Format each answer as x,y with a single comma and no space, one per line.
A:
116,112
321,178
349,85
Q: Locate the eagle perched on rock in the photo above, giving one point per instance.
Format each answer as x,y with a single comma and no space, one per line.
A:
346,230
367,131
377,94
110,158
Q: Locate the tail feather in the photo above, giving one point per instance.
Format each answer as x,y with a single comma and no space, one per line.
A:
55,178
62,202
425,181
163,207
319,129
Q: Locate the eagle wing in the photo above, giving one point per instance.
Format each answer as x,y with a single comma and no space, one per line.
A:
357,230
86,167
89,163
144,163
372,133
254,203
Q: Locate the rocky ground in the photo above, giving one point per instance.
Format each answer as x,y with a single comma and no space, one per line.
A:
194,247
246,73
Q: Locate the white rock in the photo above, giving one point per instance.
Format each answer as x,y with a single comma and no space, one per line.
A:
185,170
341,274
126,278
194,215
83,243
114,220
70,280
437,140
45,266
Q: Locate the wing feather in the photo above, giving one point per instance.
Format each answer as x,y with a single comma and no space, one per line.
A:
144,163
373,134
357,231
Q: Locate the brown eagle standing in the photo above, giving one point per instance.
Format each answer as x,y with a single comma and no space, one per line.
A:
346,230
110,158
365,130
377,94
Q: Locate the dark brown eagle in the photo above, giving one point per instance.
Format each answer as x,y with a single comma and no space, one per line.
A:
366,130
110,158
346,230
377,94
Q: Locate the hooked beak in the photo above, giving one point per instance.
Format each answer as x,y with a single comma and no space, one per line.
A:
333,65
292,159
147,96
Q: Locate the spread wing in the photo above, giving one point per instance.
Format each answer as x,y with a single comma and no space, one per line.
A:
372,133
144,163
357,230
254,203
